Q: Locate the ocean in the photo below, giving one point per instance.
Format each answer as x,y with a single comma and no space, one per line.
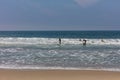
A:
41,50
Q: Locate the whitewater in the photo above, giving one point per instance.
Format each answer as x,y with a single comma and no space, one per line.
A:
41,50
51,41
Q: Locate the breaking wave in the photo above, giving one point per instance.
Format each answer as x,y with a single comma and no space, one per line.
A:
34,41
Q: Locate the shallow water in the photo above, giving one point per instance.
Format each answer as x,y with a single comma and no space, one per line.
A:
43,53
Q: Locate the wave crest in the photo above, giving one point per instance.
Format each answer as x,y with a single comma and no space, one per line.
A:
56,41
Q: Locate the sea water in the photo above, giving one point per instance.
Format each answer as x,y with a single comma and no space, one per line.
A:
41,50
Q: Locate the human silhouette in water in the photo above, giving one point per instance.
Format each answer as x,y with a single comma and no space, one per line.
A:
84,42
59,40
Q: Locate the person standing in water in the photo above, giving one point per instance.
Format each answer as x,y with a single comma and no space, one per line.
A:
84,42
59,40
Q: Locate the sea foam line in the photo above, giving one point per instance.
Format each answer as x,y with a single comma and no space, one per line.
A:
61,68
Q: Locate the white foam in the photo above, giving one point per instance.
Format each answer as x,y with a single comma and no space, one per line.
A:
58,68
34,41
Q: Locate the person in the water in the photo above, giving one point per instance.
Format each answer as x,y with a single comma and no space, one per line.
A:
84,42
102,40
59,40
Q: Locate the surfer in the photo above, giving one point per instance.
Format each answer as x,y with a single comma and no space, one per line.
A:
84,42
59,40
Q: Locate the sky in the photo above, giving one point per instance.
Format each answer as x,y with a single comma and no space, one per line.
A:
59,14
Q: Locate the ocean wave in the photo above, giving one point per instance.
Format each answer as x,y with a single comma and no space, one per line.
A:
49,41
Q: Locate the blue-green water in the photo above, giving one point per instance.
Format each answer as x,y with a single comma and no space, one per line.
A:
62,34
41,50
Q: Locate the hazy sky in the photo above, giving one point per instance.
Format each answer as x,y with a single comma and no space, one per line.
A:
59,14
